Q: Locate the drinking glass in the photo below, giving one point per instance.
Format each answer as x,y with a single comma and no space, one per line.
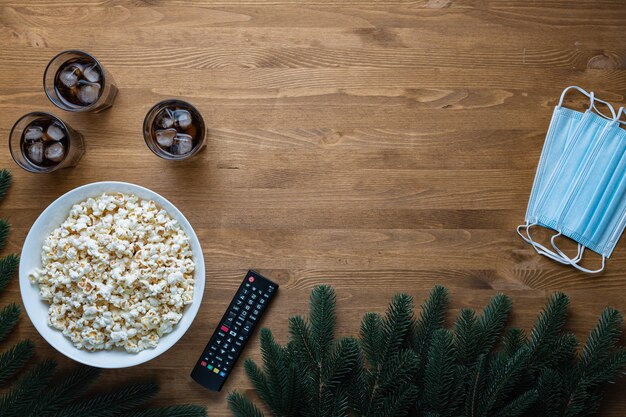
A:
174,130
41,142
76,81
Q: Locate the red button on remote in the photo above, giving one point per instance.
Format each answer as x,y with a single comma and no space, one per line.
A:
203,363
251,279
224,329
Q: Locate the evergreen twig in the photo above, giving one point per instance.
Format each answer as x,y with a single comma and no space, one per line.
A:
5,182
14,359
9,315
111,404
29,386
8,266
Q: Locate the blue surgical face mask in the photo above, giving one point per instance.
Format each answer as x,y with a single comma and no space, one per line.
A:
580,182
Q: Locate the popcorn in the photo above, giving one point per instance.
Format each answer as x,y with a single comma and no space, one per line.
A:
118,272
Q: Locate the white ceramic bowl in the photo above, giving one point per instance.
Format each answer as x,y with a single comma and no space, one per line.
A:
37,309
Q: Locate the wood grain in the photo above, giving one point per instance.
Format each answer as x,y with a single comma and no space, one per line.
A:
378,146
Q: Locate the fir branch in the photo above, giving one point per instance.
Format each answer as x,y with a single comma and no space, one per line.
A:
431,319
183,410
322,317
492,321
602,338
551,392
502,381
371,337
466,337
259,380
545,333
397,403
8,319
397,373
519,405
477,386
341,363
395,333
8,266
111,403
5,182
513,341
5,227
277,373
300,333
14,359
440,376
69,386
240,406
29,386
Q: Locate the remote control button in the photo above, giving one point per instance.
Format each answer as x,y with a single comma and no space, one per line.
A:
217,371
209,367
253,317
232,333
203,363
250,279
222,373
224,329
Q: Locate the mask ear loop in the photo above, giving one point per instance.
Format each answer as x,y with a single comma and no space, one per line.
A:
577,88
576,259
619,115
542,250
598,112
590,271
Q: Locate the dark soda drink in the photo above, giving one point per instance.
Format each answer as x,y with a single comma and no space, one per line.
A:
41,142
174,129
76,81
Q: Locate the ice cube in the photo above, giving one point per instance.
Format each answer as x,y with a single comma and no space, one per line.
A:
34,152
183,118
55,132
183,144
165,119
92,73
55,152
70,74
165,137
33,133
88,93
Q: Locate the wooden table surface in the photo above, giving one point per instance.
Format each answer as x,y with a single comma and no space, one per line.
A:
377,146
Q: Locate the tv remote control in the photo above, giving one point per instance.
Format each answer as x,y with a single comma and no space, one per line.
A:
233,331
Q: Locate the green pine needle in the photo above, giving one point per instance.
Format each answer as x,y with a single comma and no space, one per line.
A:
300,333
184,410
111,404
8,266
5,182
492,321
440,374
322,317
513,341
14,359
545,333
28,387
240,406
603,337
519,405
9,315
372,337
68,387
5,227
466,337
431,319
